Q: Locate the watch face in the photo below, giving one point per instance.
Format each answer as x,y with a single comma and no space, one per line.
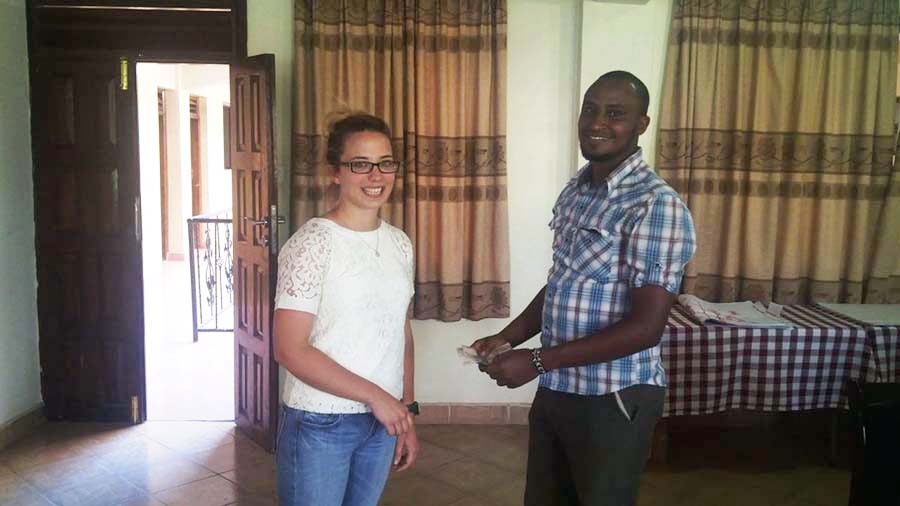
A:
413,407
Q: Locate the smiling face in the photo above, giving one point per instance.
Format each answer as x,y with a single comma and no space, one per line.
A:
610,123
365,192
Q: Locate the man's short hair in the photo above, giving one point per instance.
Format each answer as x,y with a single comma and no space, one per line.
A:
640,89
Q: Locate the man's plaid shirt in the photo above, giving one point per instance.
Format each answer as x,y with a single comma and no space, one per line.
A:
631,231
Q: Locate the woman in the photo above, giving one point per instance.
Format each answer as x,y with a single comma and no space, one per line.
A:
345,282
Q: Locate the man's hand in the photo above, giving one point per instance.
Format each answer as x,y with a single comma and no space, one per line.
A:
512,369
486,345
406,450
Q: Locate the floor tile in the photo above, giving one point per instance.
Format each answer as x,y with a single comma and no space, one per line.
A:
101,491
432,433
505,454
192,443
432,456
412,489
65,473
136,452
144,500
111,437
255,500
38,451
471,500
12,486
470,475
156,477
256,478
213,491
225,458
508,494
16,492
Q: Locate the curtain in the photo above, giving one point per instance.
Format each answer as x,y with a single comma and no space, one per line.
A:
435,70
776,126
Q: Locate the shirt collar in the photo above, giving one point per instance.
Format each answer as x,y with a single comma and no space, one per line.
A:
616,176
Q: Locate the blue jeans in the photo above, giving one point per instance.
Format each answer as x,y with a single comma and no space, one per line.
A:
331,459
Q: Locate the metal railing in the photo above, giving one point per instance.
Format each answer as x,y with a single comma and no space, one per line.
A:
212,276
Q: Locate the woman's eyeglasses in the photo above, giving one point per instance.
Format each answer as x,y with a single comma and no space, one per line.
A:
365,166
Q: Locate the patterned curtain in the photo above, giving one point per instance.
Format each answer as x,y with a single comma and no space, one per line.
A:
777,128
435,70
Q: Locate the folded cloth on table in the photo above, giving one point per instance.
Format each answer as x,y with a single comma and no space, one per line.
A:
736,314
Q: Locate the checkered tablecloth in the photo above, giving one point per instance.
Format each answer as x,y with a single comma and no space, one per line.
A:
885,342
884,345
717,368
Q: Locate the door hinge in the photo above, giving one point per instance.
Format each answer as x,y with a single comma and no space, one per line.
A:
123,73
135,410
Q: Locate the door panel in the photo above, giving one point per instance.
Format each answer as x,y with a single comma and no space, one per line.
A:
252,160
87,236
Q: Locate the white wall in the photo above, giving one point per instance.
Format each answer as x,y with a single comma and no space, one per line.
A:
627,36
556,48
20,390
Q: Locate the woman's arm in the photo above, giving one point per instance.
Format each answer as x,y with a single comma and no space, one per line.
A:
407,448
409,366
311,366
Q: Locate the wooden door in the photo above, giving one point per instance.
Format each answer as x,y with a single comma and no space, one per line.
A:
254,197
87,235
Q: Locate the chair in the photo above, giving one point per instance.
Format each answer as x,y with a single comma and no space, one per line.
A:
875,410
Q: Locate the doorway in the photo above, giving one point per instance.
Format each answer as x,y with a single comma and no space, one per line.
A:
186,220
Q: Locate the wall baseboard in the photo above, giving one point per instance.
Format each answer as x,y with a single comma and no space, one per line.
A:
474,414
21,427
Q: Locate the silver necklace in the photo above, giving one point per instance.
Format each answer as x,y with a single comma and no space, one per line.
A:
377,240
362,238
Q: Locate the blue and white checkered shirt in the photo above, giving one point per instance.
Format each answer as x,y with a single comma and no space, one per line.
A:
631,231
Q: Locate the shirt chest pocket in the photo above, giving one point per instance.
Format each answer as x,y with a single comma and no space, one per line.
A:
595,254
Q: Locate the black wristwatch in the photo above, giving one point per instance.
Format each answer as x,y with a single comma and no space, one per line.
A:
413,407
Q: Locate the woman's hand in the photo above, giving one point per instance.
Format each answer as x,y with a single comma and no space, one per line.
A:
407,449
392,413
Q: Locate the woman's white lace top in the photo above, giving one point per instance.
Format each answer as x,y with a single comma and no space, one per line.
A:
360,300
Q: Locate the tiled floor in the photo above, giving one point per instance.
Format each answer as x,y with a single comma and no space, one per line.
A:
208,464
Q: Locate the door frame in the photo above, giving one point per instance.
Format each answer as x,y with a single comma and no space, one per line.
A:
139,55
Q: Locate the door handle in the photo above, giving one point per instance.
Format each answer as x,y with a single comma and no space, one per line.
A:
280,220
257,223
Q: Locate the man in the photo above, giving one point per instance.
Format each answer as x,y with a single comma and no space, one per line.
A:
621,239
